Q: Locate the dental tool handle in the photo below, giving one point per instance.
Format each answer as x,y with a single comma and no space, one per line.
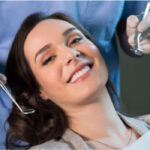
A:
146,10
145,13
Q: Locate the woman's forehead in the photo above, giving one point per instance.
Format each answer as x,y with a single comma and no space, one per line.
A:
49,29
52,25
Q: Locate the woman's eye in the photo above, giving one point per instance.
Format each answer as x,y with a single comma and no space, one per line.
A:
48,60
76,40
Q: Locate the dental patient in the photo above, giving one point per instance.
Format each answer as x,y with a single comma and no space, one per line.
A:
55,67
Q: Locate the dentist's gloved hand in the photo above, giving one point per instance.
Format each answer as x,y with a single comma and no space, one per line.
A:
143,27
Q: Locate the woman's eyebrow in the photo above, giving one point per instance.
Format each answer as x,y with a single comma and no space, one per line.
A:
47,46
66,32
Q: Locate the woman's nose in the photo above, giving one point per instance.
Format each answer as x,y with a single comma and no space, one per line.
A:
70,55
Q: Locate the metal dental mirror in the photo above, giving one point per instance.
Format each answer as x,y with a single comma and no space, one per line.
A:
3,81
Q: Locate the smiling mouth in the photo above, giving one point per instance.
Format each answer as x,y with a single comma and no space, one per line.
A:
81,74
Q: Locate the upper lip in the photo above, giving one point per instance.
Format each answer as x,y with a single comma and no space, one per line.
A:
79,68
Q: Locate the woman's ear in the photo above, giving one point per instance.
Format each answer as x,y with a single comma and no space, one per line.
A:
43,94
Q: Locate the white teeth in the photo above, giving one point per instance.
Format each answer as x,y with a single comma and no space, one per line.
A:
79,73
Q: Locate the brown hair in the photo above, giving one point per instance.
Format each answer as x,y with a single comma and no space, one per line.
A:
49,121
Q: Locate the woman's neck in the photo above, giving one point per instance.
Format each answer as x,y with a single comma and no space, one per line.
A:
98,119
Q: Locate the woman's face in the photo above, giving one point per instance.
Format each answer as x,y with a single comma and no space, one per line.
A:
67,66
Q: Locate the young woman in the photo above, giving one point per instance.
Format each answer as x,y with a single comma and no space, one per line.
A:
56,68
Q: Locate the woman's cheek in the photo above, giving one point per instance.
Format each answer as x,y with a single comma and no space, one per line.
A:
51,77
93,50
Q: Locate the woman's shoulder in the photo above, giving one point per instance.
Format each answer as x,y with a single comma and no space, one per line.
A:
145,118
140,123
52,145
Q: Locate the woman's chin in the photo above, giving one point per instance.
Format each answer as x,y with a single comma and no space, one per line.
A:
87,93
